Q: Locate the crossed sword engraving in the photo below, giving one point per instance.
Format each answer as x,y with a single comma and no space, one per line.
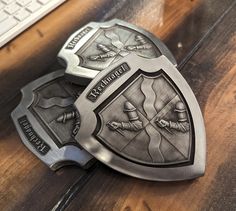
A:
108,52
135,124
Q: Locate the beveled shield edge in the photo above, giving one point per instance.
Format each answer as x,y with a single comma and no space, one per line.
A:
116,162
68,154
85,74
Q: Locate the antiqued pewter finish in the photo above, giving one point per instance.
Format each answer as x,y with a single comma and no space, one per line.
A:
140,117
98,45
147,123
47,121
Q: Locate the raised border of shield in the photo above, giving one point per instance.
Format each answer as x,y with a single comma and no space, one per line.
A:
82,75
54,157
89,142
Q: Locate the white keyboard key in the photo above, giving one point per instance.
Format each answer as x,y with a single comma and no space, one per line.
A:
23,2
12,8
1,5
43,1
3,16
7,24
7,1
21,14
33,6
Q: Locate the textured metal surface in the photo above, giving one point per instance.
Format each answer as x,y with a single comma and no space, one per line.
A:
47,121
140,117
98,45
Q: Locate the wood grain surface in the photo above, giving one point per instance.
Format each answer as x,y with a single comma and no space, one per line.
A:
202,36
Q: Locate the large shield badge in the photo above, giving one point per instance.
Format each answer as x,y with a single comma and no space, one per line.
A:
47,121
97,45
140,117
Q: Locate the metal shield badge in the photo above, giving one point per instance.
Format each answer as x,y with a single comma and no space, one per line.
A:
47,121
140,117
98,45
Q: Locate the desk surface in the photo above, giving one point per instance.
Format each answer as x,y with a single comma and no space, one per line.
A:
202,36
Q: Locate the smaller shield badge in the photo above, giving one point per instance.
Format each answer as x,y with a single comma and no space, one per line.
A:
97,45
47,121
140,117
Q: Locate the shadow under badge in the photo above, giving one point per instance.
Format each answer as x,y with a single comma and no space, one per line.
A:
144,120
96,46
47,121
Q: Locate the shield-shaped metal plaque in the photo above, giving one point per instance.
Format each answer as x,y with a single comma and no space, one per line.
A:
98,45
140,117
47,121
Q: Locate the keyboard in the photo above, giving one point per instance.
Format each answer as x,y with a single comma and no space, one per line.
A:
18,15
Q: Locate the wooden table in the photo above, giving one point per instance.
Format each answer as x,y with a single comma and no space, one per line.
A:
202,36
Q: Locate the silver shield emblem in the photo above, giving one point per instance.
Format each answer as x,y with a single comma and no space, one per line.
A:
140,117
47,121
98,45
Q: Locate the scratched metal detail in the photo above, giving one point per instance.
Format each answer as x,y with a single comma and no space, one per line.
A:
144,120
111,44
53,106
47,121
151,123
102,44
